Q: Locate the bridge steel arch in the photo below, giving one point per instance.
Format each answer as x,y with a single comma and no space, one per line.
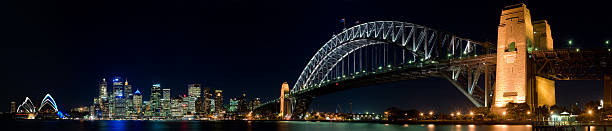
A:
432,53
424,43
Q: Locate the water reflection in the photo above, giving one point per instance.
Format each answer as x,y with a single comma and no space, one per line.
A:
255,126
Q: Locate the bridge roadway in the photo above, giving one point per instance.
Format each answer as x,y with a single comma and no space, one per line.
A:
560,64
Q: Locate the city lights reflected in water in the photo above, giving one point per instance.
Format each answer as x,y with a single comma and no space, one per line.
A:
128,125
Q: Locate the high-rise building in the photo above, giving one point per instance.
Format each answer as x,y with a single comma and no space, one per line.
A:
233,105
212,106
243,104
166,103
254,103
156,100
146,107
103,89
185,105
199,106
194,94
120,102
128,96
137,101
207,100
176,105
104,103
13,107
218,101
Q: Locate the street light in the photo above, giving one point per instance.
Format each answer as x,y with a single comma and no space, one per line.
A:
528,112
590,112
431,113
471,113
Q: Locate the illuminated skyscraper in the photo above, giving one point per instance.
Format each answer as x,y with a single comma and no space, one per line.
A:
156,100
137,101
120,102
218,101
176,105
254,103
194,94
233,105
104,103
128,96
243,104
207,100
166,103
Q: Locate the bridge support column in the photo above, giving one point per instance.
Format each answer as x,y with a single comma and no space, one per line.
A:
607,90
300,107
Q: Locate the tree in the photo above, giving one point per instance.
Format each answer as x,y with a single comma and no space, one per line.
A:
517,110
541,113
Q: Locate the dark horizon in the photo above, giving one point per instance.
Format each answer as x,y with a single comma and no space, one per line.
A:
65,48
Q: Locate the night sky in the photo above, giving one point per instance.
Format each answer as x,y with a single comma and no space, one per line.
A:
64,47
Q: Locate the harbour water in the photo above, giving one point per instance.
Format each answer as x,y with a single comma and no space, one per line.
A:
133,125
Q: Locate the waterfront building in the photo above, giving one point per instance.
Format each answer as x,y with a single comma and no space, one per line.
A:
243,104
137,101
233,105
194,94
218,101
120,104
155,100
103,103
128,98
176,105
254,103
166,103
185,105
207,100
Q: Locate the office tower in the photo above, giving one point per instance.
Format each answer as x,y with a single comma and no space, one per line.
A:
176,107
194,94
243,103
185,105
165,101
156,100
96,111
13,107
103,89
104,103
212,106
146,107
233,105
254,103
137,101
120,103
207,100
218,101
128,97
199,106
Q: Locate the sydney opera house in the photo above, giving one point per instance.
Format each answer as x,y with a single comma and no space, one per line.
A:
47,109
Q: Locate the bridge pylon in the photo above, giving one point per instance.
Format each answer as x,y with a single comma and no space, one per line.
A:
516,80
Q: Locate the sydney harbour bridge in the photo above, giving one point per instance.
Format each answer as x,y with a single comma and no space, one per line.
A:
390,51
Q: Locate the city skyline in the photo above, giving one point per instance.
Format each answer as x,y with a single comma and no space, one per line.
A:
68,67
